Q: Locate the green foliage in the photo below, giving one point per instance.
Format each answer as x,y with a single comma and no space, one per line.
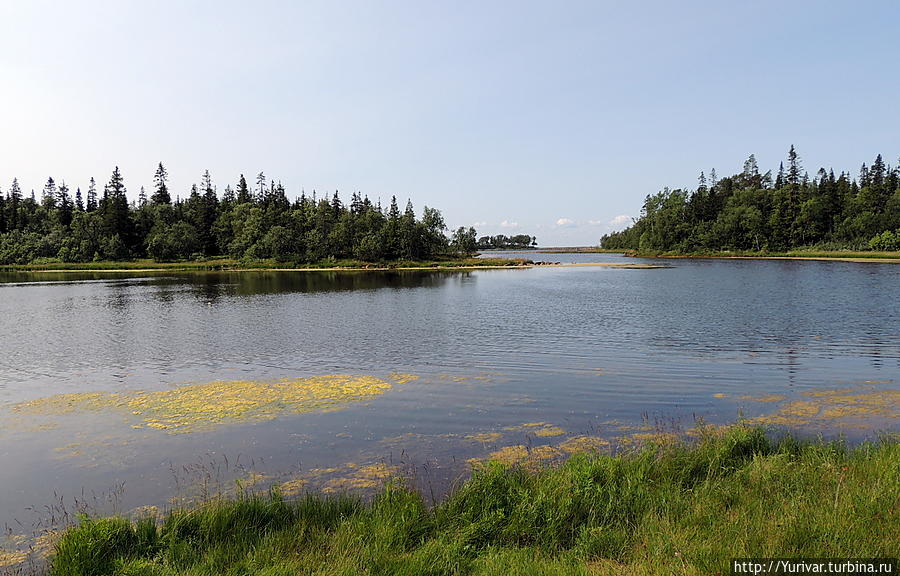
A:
243,224
748,211
463,240
887,240
502,242
170,243
686,508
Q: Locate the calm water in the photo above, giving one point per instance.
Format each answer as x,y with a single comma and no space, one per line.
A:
584,349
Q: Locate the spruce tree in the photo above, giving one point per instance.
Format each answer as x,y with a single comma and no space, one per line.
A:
243,191
92,196
161,189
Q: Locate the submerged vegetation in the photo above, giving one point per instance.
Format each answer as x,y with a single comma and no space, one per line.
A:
258,223
193,407
757,212
671,508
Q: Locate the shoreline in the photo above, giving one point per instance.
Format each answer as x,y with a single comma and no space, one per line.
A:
498,518
495,264
859,257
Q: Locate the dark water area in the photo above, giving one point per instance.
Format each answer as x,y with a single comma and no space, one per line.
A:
497,356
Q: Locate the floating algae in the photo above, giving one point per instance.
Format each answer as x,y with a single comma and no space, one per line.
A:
520,455
857,407
539,429
346,478
362,478
194,407
10,558
485,437
578,444
549,431
765,398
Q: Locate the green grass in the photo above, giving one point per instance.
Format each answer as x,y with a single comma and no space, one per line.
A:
229,264
684,509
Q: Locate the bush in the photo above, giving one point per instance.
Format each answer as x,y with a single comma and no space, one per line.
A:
886,241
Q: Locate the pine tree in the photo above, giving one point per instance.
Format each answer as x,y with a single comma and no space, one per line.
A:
79,202
161,190
64,205
261,188
48,198
243,191
13,221
92,197
209,214
116,216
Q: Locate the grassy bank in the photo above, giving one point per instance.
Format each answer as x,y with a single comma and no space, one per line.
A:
229,264
674,510
844,255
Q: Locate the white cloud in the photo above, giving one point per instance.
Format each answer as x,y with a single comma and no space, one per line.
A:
595,222
508,224
619,222
480,224
565,223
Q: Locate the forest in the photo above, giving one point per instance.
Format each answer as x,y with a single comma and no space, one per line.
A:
258,222
754,211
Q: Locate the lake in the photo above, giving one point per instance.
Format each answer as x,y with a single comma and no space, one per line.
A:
118,391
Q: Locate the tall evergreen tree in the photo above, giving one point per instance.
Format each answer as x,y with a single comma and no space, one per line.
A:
65,208
114,209
92,204
161,190
48,197
243,191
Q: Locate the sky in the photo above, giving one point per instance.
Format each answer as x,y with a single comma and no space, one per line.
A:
553,119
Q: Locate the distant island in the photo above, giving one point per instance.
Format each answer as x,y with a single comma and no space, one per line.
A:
502,242
756,212
246,224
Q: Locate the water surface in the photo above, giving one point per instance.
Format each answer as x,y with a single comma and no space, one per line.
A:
474,361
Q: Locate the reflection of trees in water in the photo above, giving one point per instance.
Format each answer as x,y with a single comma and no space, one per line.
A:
213,285
210,286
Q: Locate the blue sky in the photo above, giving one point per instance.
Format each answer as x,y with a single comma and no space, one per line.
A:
548,118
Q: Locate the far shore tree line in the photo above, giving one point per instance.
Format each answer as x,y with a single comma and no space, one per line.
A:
245,222
754,211
502,242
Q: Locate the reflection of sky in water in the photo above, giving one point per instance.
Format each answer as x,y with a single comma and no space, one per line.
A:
596,353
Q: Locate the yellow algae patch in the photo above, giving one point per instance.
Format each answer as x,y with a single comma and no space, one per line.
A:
765,398
510,455
68,403
12,557
549,431
658,438
195,407
520,455
402,378
485,436
295,485
362,478
578,444
540,429
845,406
